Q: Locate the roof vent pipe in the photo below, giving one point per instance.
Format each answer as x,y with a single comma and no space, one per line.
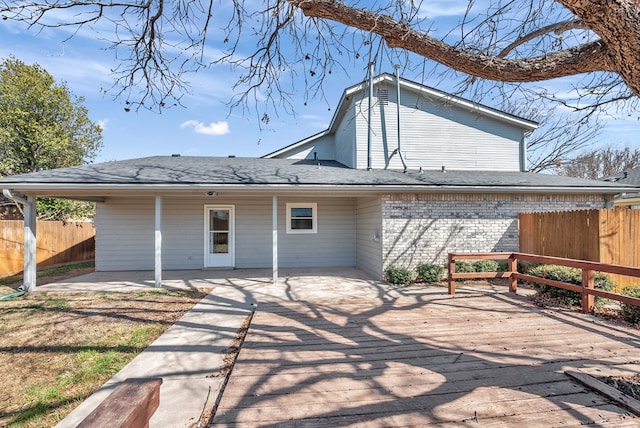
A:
369,116
397,67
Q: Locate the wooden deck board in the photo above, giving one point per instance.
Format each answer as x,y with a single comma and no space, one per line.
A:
423,360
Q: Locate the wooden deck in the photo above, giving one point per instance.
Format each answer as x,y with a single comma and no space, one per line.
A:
479,359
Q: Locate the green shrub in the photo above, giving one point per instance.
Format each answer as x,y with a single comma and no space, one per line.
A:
464,266
568,275
485,266
631,313
398,275
430,272
503,266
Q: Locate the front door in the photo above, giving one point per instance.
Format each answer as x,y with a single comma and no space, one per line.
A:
219,236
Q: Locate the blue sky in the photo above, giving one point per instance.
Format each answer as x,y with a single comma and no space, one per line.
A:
205,126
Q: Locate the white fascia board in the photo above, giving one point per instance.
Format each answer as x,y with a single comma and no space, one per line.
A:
441,96
470,105
69,189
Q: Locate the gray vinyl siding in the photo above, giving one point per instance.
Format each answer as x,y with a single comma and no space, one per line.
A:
435,134
323,146
345,139
333,245
125,230
254,240
369,236
125,234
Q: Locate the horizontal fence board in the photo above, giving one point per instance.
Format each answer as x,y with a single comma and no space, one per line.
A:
480,275
585,288
546,281
482,256
56,243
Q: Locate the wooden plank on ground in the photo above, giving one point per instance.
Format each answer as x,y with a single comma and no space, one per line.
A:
629,402
130,405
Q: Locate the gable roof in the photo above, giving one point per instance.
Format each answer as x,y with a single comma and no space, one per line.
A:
172,173
423,90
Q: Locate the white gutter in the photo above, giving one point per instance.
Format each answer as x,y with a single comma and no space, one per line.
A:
47,189
370,109
523,153
15,198
397,67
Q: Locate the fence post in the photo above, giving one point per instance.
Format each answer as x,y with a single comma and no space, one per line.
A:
512,267
588,281
452,270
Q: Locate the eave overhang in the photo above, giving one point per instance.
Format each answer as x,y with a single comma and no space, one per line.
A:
100,190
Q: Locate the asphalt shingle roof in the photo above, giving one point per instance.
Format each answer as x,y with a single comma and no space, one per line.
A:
185,170
630,176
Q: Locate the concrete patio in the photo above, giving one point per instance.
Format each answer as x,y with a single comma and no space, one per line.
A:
331,347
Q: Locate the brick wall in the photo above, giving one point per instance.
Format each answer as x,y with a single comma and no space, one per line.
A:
421,228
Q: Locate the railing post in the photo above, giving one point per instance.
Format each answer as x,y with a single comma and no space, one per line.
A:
512,266
588,281
452,270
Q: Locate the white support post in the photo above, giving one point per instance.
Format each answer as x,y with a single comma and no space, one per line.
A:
275,239
30,244
158,242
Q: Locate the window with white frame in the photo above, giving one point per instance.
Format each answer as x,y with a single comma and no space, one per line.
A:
302,218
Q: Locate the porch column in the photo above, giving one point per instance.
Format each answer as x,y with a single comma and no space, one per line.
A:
275,239
158,242
29,269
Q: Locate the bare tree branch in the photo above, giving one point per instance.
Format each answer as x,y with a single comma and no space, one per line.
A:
283,48
556,28
585,58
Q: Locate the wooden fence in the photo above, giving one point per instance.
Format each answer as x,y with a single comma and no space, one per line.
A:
587,289
605,236
56,243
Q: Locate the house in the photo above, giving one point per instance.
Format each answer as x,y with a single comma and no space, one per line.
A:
433,173
630,198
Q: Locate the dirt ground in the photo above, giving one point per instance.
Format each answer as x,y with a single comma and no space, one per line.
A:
15,281
629,385
56,349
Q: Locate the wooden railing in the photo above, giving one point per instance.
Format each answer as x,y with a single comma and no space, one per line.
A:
588,274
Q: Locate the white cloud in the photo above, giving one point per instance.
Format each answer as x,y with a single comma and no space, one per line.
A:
438,9
102,123
214,128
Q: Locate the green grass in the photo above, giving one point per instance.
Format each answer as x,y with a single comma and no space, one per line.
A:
11,281
61,270
61,348
165,292
87,367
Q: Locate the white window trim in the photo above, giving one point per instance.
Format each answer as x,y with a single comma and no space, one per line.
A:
314,217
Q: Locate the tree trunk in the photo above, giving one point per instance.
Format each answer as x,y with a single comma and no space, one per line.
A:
617,22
